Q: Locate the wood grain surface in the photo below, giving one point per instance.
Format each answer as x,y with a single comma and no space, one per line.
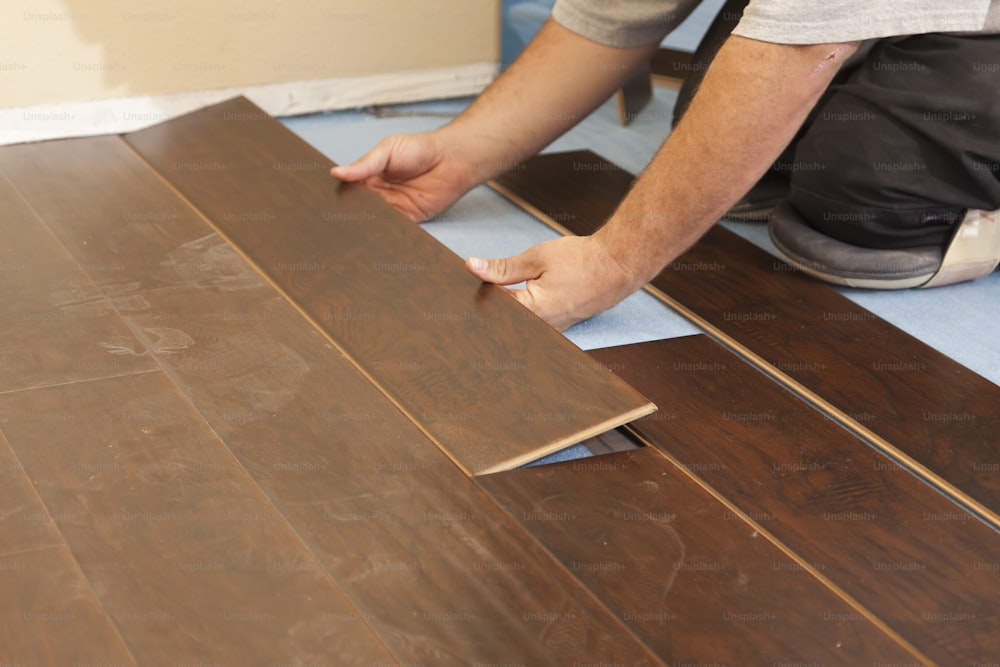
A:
424,556
693,580
918,561
398,303
49,614
931,413
190,559
55,327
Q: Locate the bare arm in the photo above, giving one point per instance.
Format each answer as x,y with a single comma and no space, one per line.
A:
559,79
752,101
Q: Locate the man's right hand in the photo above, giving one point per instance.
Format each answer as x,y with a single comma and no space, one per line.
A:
415,173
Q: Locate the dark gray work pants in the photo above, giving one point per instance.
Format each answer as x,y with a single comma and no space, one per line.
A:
901,144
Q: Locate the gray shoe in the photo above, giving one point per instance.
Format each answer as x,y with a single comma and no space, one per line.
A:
841,263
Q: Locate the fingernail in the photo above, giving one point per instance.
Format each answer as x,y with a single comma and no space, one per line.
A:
478,264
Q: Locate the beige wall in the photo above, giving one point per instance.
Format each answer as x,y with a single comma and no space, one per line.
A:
54,51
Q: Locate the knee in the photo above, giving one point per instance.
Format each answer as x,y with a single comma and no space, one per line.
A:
851,190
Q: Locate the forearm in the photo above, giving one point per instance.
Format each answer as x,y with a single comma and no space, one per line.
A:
556,82
752,101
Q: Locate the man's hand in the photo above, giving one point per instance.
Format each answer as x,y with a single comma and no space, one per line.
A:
558,79
568,279
414,173
754,97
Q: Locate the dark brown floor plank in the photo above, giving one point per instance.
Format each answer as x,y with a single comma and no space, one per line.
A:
922,407
400,304
441,573
49,614
192,562
55,326
696,583
918,561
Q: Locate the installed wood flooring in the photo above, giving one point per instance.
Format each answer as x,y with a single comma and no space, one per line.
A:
209,454
934,415
336,495
907,554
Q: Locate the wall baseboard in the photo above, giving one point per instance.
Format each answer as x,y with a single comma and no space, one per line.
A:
112,116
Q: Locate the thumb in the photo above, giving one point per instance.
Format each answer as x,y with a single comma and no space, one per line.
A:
371,163
505,271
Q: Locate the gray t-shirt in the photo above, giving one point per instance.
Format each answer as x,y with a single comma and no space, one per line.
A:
627,23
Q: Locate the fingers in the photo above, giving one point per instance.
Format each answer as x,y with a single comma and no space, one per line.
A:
371,163
505,271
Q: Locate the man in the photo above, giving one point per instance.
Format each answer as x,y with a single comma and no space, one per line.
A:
891,159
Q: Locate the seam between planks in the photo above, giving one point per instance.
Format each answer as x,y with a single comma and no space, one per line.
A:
174,380
112,621
865,434
785,549
8,392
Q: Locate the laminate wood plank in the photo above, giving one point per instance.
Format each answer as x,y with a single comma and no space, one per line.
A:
193,563
926,410
917,560
49,615
396,301
694,581
425,557
55,326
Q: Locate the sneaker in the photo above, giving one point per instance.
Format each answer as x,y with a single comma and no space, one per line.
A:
841,263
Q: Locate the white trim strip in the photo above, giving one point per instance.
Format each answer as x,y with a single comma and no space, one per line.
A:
113,116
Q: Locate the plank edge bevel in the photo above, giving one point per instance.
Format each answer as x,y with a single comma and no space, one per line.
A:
563,443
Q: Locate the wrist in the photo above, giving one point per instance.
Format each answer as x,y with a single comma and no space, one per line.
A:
618,254
637,262
483,152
